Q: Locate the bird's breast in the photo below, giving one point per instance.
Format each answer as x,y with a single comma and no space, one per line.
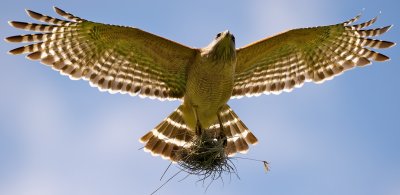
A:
209,86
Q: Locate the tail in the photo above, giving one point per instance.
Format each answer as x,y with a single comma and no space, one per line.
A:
168,137
172,134
237,134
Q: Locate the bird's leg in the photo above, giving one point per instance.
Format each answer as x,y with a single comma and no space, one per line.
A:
198,125
222,132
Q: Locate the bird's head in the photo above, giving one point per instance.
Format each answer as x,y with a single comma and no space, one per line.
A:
222,47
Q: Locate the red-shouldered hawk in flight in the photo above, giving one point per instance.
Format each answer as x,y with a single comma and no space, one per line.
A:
129,60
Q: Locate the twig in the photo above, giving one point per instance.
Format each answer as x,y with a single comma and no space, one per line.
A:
165,182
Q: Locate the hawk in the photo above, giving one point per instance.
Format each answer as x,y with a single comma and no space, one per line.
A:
129,60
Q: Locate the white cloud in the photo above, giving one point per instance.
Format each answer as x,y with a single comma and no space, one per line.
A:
40,118
395,190
33,183
267,18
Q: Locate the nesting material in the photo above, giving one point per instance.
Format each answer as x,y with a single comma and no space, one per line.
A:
206,158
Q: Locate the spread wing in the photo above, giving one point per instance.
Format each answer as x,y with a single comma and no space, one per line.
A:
113,58
287,60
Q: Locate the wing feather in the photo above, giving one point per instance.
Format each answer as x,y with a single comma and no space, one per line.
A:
113,58
287,60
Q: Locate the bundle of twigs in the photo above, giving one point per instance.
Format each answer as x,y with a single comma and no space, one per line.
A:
206,158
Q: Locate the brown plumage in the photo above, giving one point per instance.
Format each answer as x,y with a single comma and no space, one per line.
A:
129,60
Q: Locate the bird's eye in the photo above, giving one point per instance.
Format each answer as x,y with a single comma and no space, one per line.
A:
218,35
233,38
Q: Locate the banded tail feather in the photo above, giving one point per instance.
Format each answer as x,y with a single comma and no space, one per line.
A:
168,137
172,134
238,136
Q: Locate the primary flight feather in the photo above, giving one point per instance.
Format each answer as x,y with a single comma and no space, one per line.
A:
129,60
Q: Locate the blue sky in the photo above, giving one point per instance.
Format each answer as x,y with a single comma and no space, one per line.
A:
63,137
